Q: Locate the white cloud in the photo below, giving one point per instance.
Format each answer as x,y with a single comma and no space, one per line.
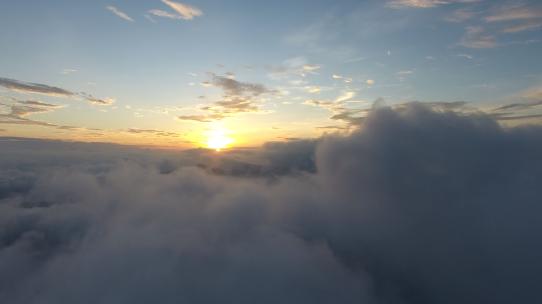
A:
345,96
119,13
182,11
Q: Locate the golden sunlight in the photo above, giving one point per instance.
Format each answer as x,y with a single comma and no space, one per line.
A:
218,138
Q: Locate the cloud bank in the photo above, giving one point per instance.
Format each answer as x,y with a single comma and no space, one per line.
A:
417,206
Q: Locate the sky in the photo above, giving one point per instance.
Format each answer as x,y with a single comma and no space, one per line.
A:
241,73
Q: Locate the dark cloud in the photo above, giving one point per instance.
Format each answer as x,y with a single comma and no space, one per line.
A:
417,206
238,97
152,132
233,87
19,109
29,87
519,106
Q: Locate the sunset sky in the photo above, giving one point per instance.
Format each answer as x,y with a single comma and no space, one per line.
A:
173,74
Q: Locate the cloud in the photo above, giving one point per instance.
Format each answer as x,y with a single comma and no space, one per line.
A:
461,15
20,109
233,87
29,87
467,56
182,11
68,71
476,37
119,13
370,82
37,88
152,132
97,101
517,17
398,4
515,12
345,96
238,97
526,26
294,67
416,206
339,109
201,118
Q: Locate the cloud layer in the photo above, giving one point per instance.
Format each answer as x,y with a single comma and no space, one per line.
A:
417,206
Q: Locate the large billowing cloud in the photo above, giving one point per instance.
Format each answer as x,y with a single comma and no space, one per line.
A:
417,206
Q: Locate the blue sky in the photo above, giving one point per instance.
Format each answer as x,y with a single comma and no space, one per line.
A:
184,68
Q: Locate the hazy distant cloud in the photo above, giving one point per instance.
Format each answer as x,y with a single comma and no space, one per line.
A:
467,56
68,71
397,4
119,13
515,12
525,26
517,17
477,38
182,11
152,132
461,15
36,88
294,67
201,118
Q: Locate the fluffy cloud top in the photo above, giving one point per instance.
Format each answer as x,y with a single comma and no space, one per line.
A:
416,206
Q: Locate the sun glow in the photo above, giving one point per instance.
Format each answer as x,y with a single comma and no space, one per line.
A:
218,139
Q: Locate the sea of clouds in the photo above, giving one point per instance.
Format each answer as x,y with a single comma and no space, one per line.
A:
418,206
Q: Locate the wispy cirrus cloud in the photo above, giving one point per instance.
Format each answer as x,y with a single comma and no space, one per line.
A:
38,88
515,12
461,15
119,13
181,11
398,4
29,87
477,38
517,17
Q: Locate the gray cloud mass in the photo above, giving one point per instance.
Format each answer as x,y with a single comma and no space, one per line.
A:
417,206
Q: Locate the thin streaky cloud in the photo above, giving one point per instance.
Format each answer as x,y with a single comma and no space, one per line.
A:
398,4
38,88
186,11
182,11
515,13
527,26
119,13
477,38
29,87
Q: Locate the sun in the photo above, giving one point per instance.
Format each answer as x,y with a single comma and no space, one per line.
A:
218,139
